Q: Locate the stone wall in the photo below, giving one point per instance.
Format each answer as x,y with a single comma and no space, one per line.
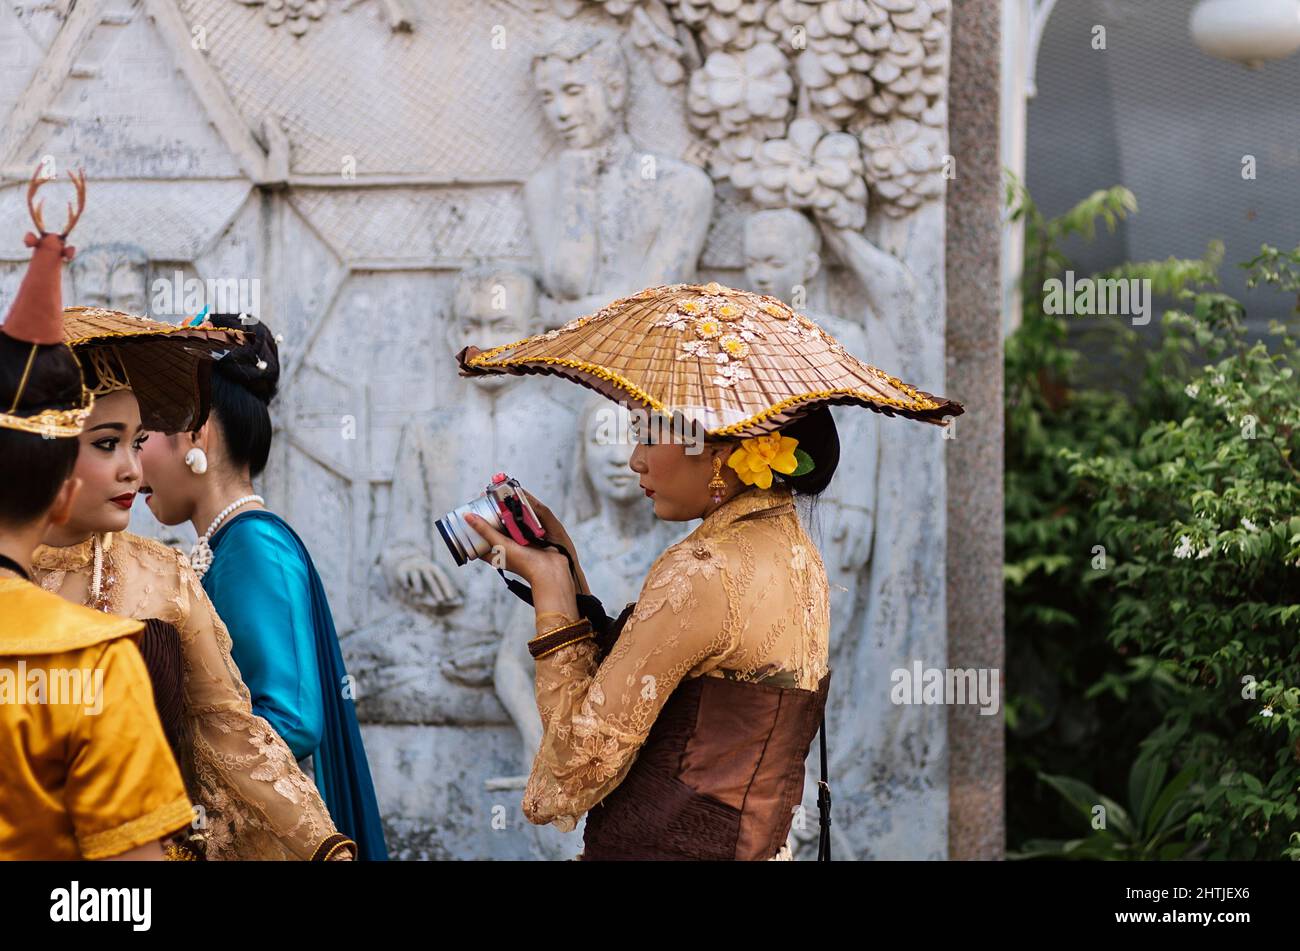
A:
379,168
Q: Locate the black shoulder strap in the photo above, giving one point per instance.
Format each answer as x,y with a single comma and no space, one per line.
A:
824,804
589,606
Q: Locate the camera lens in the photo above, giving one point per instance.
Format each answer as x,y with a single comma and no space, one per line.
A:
463,542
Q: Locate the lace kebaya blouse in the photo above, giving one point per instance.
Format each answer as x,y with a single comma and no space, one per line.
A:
744,596
256,802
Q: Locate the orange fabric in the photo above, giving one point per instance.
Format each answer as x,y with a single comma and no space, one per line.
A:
85,769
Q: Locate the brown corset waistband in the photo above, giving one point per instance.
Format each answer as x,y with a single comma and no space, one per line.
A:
718,777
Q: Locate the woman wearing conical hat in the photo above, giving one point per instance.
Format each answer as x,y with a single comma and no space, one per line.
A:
681,729
154,377
85,770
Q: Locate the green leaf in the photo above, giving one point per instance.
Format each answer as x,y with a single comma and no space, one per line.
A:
805,463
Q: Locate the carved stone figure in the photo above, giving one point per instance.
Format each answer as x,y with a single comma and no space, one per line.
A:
425,660
115,276
607,218
873,742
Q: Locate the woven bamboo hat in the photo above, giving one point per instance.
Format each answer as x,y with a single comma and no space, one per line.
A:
735,363
168,366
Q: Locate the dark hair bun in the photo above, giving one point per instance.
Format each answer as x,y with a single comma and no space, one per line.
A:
244,381
254,365
819,438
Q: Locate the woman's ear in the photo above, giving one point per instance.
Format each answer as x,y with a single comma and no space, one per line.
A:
61,510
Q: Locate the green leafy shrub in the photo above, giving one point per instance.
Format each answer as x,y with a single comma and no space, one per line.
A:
1153,550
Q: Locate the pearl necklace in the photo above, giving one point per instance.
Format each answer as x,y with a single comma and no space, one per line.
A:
201,554
99,594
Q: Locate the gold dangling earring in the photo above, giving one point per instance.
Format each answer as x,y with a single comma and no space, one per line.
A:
716,485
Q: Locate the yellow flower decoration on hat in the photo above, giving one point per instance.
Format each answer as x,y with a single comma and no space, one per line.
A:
758,456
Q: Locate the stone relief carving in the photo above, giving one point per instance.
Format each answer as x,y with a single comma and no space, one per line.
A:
801,113
456,617
115,276
604,215
871,70
782,258
297,15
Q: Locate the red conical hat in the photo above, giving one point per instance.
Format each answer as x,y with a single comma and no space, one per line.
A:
36,320
37,312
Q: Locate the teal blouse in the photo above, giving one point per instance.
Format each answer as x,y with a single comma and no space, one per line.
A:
268,612
267,591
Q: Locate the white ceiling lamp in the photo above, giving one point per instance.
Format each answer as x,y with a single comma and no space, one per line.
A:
1247,31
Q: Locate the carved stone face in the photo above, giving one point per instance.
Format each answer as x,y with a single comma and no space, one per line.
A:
582,105
110,278
492,312
778,255
606,459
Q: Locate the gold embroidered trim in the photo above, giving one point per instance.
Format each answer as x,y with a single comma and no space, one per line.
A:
53,423
330,845
137,832
918,404
594,369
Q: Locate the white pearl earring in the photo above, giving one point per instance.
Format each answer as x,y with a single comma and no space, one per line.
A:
197,460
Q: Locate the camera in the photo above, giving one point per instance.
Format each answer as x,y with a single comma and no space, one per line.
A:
502,505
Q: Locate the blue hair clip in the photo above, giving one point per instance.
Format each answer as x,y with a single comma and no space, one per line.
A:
198,318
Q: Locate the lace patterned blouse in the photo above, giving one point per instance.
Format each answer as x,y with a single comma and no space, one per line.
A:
743,596
256,802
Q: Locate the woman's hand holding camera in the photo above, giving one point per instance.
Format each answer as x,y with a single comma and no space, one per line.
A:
546,569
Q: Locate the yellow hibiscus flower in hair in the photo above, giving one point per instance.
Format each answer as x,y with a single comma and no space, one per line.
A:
758,456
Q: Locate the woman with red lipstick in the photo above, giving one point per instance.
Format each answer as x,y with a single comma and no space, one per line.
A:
681,729
257,803
262,580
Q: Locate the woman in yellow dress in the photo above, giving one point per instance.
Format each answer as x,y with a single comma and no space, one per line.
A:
85,771
681,729
255,802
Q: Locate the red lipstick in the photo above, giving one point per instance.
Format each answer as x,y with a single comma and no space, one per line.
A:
124,501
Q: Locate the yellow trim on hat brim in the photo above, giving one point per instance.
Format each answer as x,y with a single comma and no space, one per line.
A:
604,373
156,328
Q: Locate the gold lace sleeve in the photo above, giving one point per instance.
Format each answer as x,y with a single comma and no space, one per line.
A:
595,718
257,803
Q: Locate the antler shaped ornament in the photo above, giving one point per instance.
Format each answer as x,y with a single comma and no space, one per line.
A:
35,207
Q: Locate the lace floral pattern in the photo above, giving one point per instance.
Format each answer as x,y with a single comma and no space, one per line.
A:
744,596
255,801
